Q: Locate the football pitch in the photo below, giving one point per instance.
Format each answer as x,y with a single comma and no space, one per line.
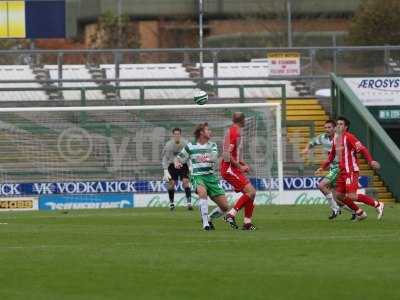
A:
153,253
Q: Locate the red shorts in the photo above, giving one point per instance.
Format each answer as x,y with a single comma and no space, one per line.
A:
234,177
347,183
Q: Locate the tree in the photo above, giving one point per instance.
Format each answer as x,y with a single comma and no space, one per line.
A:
114,32
15,44
376,22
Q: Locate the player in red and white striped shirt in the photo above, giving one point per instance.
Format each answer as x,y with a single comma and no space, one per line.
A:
233,169
346,146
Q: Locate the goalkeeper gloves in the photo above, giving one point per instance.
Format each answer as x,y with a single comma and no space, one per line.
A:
167,176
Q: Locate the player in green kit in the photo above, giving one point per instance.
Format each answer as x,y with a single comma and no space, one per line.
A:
328,183
203,156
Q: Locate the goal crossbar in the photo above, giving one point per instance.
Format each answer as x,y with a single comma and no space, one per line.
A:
137,107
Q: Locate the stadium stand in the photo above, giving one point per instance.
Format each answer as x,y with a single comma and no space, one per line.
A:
393,66
75,72
147,72
251,70
11,72
153,71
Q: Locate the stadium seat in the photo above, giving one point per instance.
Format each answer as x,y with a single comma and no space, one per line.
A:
75,72
21,72
251,70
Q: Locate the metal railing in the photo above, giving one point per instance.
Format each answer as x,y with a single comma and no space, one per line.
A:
83,91
316,62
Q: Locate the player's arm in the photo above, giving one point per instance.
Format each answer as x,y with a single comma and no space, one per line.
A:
330,159
239,164
165,163
182,157
214,153
165,160
360,148
227,148
312,143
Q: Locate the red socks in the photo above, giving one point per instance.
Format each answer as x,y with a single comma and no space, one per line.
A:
350,204
367,200
362,198
248,209
241,202
248,204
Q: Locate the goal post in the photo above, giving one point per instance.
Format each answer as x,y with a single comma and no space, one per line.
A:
57,144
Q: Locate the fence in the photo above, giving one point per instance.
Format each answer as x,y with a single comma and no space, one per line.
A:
316,62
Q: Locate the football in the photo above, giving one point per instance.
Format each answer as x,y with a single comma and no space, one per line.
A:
200,98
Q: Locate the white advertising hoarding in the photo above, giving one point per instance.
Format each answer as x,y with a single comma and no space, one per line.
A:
376,91
262,198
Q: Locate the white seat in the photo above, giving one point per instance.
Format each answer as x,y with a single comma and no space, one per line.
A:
11,72
76,72
251,70
153,71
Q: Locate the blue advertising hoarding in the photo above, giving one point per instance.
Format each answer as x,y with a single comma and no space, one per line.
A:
146,186
96,201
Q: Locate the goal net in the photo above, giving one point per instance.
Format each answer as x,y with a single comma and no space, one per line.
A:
124,143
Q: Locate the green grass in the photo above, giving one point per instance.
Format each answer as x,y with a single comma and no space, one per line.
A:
155,254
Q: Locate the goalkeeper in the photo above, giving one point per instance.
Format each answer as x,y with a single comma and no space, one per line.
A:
172,174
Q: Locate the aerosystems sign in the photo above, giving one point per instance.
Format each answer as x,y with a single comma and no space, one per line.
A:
376,91
146,186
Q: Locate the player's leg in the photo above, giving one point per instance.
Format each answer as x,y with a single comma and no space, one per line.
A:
188,193
352,186
171,185
348,203
217,194
250,192
239,182
186,186
334,174
171,194
220,210
325,187
246,201
379,206
203,206
201,190
342,205
351,197
341,190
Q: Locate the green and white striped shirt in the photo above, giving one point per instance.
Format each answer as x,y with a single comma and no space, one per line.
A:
326,143
202,157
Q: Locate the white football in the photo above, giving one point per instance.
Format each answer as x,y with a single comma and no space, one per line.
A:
200,98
